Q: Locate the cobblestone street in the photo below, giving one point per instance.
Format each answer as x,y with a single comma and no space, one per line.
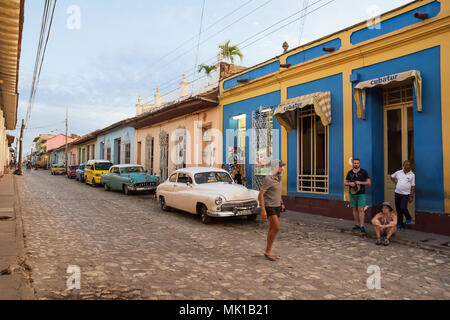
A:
128,248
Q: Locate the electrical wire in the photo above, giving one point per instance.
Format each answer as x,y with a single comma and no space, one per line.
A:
46,26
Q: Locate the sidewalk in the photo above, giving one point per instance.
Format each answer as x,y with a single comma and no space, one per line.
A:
13,273
406,236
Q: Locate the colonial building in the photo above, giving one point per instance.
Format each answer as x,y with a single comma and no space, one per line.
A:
377,92
11,25
56,147
183,130
116,143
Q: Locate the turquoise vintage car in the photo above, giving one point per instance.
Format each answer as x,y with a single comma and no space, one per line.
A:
129,178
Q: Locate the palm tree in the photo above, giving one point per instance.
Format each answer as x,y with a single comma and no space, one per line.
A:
229,52
208,69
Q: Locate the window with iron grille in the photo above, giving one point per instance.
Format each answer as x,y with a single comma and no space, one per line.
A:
108,153
312,152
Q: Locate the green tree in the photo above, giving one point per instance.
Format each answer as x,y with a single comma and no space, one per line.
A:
207,69
229,52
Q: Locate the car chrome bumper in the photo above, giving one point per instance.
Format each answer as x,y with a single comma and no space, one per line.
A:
142,188
237,213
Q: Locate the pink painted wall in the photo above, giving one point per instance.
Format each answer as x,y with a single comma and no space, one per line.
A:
58,141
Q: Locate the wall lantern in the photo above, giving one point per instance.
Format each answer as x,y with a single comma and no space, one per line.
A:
328,49
421,16
242,80
285,65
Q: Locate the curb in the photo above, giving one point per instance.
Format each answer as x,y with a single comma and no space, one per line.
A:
26,290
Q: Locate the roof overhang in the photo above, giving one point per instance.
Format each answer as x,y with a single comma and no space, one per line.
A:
178,109
11,26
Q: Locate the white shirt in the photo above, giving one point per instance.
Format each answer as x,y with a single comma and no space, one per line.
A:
404,182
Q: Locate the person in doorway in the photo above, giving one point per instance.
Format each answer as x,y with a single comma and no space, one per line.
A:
405,187
272,205
357,179
237,176
385,223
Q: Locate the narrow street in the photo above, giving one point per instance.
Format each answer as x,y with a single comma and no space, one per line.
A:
126,247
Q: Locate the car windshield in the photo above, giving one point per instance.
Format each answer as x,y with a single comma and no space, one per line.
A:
212,177
131,169
58,166
73,167
103,165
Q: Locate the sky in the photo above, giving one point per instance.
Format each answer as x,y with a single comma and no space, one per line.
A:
124,49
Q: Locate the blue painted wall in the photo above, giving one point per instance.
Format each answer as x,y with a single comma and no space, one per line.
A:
395,23
253,74
427,130
247,107
115,134
336,175
313,52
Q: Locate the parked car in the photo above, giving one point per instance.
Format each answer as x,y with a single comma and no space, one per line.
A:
58,168
71,172
209,192
79,173
129,178
94,169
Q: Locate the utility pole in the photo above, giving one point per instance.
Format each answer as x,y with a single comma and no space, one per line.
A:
20,150
67,115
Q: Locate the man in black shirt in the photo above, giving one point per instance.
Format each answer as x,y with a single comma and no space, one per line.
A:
356,180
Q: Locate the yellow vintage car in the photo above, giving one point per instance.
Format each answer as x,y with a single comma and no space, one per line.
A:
94,169
58,168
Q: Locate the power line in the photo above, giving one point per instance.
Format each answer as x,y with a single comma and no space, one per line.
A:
304,9
204,30
213,35
199,34
46,26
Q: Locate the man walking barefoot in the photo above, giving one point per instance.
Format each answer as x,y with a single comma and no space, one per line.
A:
356,180
272,204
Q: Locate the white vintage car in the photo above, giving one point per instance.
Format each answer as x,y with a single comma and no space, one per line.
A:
210,192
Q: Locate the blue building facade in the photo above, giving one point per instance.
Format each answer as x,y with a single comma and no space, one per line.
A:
116,145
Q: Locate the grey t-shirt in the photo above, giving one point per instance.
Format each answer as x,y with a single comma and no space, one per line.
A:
272,191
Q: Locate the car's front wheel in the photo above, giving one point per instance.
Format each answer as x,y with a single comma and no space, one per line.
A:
126,190
204,214
162,203
106,187
251,217
93,183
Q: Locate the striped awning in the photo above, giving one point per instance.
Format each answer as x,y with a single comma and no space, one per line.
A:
286,112
360,89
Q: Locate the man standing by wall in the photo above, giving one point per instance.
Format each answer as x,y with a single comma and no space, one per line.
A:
272,204
356,180
405,183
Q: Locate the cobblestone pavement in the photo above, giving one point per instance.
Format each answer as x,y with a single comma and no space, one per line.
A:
127,248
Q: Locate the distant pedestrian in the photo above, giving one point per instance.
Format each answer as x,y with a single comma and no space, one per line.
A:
272,204
405,187
385,224
357,179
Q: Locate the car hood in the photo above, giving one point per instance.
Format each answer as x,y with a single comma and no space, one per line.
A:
140,177
230,192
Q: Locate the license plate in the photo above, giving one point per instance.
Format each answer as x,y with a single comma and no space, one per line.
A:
244,212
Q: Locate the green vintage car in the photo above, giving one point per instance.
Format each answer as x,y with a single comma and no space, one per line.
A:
129,178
